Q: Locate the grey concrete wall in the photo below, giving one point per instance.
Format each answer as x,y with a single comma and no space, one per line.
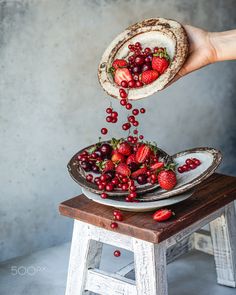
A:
51,104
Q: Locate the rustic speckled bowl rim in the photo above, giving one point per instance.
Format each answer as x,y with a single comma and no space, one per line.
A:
78,175
167,27
217,158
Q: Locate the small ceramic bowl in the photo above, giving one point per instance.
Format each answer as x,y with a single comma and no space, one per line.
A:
150,33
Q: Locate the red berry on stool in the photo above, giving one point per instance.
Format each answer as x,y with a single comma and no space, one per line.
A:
117,253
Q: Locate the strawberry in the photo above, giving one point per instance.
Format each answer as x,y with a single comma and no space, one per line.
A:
157,165
108,166
119,63
140,171
122,74
123,169
117,157
160,60
162,214
159,64
143,153
167,179
131,159
124,148
149,76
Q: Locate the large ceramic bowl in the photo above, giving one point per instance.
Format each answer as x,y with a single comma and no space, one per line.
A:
79,175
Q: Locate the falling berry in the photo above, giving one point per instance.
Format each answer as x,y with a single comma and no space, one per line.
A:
104,131
114,225
142,110
117,253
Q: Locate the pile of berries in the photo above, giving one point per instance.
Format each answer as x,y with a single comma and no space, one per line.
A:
123,165
190,164
142,67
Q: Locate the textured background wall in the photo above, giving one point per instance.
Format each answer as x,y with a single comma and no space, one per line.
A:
51,104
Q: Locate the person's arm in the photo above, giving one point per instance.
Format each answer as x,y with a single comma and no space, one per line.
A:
206,48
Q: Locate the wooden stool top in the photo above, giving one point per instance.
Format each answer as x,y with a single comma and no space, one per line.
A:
213,194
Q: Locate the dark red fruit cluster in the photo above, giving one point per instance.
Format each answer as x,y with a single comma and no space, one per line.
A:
122,165
190,164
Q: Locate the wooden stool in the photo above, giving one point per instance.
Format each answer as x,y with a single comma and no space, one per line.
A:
153,244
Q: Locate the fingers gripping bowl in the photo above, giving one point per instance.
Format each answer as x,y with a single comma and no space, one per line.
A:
159,32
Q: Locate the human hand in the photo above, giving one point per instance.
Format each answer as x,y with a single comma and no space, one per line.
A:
201,52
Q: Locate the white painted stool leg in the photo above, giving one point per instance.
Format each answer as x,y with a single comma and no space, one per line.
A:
223,232
150,268
85,253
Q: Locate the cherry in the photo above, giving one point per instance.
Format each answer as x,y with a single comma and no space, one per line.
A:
128,199
135,123
105,149
135,112
115,181
89,177
109,119
133,166
135,131
128,106
96,180
154,177
113,225
147,50
131,83
109,187
104,131
146,67
123,102
103,177
124,84
136,78
142,110
131,58
142,179
141,137
86,166
104,195
139,60
136,70
117,253
95,169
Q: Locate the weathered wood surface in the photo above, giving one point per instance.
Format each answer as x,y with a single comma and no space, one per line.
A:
85,253
202,242
211,195
223,232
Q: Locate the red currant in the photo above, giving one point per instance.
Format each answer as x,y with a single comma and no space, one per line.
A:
109,119
123,94
141,137
104,195
114,225
124,84
131,119
142,110
133,195
109,110
135,112
104,131
188,161
131,84
128,106
180,169
126,126
130,138
132,188
123,102
101,187
137,44
192,166
125,187
114,120
135,123
119,216
135,131
139,84
109,187
114,114
117,253
196,161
